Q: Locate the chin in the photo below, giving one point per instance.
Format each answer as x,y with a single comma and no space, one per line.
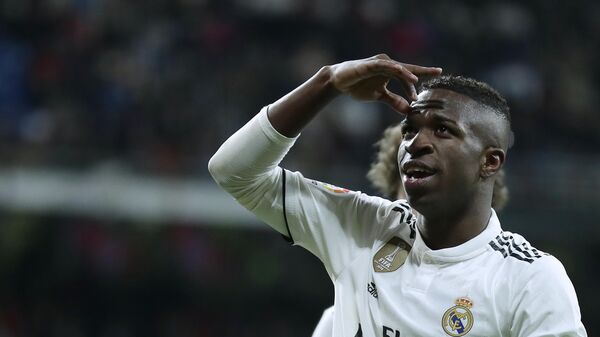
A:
420,201
427,202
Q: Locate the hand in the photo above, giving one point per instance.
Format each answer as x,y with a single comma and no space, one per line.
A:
367,80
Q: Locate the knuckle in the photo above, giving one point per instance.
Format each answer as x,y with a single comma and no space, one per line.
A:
379,63
382,56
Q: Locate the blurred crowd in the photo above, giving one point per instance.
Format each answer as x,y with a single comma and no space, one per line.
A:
155,86
75,277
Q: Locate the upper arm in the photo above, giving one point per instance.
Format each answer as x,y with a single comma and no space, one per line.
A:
335,224
332,224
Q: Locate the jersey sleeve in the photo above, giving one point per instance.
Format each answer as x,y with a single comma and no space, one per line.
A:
547,304
246,167
335,224
330,222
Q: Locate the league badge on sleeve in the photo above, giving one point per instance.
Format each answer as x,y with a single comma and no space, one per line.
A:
458,320
391,256
329,187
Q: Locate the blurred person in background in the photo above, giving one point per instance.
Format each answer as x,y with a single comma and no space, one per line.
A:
392,278
384,175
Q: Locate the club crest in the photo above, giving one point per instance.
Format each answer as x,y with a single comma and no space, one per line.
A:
391,256
458,320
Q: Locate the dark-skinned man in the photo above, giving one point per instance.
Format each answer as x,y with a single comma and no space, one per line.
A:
447,269
384,175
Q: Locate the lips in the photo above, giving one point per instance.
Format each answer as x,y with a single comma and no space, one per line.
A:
417,169
416,174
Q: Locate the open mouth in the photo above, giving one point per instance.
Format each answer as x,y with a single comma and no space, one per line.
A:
416,174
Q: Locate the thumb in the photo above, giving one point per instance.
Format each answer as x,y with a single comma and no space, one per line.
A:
395,101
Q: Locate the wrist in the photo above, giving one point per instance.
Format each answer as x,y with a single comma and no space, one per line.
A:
325,77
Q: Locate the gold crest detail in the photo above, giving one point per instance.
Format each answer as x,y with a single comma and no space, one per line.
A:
391,256
458,320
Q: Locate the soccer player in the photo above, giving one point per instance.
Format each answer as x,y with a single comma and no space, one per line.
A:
447,267
384,174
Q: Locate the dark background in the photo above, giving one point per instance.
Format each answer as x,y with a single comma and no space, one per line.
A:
110,110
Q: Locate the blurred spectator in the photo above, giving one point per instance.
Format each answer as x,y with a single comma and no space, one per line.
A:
159,84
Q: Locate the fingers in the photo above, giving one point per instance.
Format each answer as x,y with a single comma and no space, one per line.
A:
419,70
363,78
411,91
397,102
404,72
393,69
396,70
410,71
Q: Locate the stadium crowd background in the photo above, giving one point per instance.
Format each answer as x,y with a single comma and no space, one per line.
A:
151,88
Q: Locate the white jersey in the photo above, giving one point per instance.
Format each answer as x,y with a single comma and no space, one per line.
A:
387,282
325,326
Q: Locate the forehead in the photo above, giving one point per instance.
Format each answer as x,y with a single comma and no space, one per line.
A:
446,103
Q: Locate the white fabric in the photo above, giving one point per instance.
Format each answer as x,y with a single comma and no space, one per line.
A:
325,326
513,289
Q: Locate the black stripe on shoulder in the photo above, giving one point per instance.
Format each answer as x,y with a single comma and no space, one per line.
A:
407,217
288,238
505,244
495,247
404,210
403,206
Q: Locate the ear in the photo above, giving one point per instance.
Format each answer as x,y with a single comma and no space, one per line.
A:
491,161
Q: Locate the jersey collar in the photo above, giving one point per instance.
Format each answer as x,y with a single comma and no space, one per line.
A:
465,251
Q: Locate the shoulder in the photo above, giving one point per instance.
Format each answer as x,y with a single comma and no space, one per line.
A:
532,271
540,294
397,211
527,265
514,246
363,202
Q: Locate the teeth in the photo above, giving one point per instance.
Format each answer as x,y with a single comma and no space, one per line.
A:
418,172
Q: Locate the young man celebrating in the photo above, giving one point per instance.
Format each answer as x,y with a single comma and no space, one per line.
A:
384,175
447,269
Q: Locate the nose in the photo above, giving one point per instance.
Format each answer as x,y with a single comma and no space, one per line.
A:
419,145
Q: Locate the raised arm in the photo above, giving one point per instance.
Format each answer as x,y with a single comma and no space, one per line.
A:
246,165
364,80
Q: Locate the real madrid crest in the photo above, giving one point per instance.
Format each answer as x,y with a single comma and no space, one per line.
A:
391,256
458,320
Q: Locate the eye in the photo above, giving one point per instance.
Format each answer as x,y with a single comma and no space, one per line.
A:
408,131
442,130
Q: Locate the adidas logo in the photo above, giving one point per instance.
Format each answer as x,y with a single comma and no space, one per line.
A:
372,289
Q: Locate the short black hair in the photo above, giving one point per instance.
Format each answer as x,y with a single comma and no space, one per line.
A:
479,91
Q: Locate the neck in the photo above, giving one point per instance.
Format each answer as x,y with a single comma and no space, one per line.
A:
453,227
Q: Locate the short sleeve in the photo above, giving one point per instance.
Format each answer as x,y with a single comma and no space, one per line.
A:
546,305
335,224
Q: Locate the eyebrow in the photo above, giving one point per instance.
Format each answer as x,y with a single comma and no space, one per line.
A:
442,118
437,117
431,103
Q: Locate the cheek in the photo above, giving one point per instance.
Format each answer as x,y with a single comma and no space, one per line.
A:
463,164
